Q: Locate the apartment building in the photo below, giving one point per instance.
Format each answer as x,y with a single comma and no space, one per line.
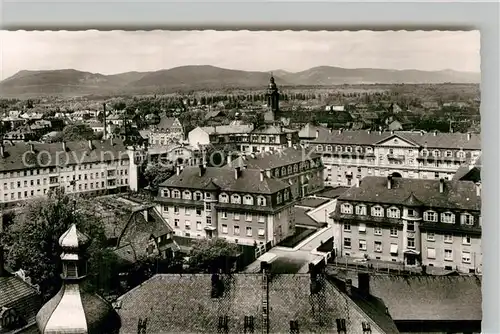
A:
168,131
351,155
297,166
95,167
241,205
433,223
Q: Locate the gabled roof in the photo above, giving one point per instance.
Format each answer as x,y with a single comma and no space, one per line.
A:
409,141
167,123
429,298
456,195
224,179
49,154
175,303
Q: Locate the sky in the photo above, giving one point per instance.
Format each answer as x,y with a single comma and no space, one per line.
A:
110,52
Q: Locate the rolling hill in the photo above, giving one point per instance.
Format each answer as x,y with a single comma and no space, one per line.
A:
70,82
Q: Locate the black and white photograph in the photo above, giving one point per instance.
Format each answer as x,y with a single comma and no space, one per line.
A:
237,181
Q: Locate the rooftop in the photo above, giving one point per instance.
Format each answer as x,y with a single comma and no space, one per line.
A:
227,129
279,158
303,219
456,195
312,202
332,193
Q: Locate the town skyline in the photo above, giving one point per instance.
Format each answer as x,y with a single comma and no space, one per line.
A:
115,52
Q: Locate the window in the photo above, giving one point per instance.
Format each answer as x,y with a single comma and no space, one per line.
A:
261,232
447,217
362,244
466,240
449,154
236,216
248,200
394,249
448,238
176,222
223,198
261,201
187,211
378,246
249,231
467,219
248,217
236,230
466,257
361,210
461,154
346,208
176,194
347,242
448,255
186,194
377,211
208,196
223,214
262,219
393,213
235,198
198,196
410,226
411,242
187,224
430,216
362,228
319,147
394,232
198,226
208,207
377,230
165,208
431,253
224,228
348,149
176,210
430,236
347,227
209,221
278,198
198,212
425,153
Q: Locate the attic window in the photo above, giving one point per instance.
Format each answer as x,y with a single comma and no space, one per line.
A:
249,324
341,326
366,327
294,327
9,318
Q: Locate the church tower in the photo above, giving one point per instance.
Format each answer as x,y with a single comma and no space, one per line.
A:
273,100
73,310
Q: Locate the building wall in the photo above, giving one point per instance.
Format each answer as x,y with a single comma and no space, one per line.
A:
321,213
197,137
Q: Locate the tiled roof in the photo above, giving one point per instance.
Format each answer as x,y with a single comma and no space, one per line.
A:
265,160
224,179
363,137
456,194
309,130
227,129
330,192
272,129
19,295
438,298
166,123
182,304
47,155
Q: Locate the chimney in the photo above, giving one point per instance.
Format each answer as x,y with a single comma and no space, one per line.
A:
262,175
348,287
32,147
340,131
441,185
268,173
111,141
2,151
358,183
369,131
90,145
229,160
435,132
364,283
380,132
478,189
421,133
202,170
295,147
244,167
330,130
389,182
64,146
237,172
289,143
317,134
392,132
178,170
468,135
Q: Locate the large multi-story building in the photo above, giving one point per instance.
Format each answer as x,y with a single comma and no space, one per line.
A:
168,131
244,206
434,223
298,166
31,170
351,155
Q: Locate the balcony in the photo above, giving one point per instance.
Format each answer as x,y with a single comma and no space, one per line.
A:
398,157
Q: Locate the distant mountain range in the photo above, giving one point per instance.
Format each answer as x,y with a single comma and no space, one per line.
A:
70,82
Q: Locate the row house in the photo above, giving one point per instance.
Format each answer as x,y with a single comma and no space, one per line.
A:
297,166
433,223
168,130
351,155
94,167
241,205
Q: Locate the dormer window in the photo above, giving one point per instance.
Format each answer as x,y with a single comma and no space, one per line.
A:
208,196
307,164
319,147
290,170
176,193
425,153
198,196
448,217
338,148
346,208
348,149
9,318
377,211
430,216
359,149
461,154
286,195
467,219
278,198
361,210
248,200
186,194
223,198
295,168
166,193
393,213
449,154
261,201
236,199
283,171
277,172
436,153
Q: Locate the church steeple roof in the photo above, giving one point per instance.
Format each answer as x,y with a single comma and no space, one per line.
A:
72,309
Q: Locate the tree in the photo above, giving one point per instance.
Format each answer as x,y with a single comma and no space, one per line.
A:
76,132
156,174
212,254
32,240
